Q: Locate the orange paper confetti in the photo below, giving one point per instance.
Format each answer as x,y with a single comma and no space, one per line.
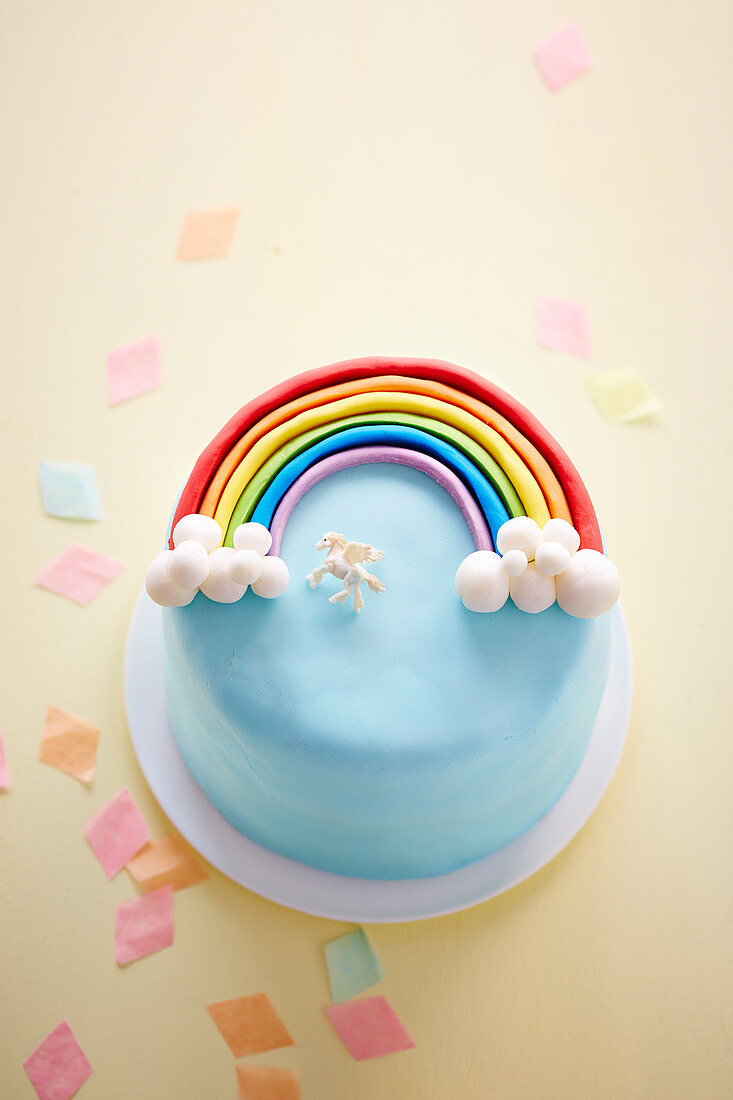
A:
69,743
207,234
166,861
250,1025
267,1083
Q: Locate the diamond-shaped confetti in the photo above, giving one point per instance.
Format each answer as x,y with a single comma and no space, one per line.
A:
369,1028
250,1025
58,1067
79,573
70,491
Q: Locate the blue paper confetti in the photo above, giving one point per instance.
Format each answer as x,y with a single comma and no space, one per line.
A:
70,490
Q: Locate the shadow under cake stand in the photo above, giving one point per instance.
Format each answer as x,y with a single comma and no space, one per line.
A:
335,896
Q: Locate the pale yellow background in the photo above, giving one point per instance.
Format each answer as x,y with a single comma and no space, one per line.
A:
407,187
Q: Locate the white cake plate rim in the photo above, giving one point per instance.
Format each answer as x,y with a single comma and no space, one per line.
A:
336,897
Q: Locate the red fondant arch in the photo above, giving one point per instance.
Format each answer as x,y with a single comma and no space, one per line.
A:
579,502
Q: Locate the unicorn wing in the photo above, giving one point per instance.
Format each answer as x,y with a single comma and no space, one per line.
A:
356,552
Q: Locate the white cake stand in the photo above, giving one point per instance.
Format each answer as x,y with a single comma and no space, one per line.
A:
352,899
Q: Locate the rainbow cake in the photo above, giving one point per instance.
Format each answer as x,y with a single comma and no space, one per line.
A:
424,693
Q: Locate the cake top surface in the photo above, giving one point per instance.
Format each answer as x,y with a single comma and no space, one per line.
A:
397,675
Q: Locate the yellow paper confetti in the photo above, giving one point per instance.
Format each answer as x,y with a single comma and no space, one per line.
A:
622,395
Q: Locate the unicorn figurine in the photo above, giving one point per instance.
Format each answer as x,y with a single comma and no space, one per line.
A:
344,561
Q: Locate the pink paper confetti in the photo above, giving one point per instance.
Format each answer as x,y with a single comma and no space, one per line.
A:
132,370
4,773
144,925
117,832
563,56
368,1028
58,1067
563,326
79,573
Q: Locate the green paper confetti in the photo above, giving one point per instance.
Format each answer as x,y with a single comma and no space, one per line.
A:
352,965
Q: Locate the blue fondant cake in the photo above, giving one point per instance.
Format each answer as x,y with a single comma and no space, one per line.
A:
404,722
403,742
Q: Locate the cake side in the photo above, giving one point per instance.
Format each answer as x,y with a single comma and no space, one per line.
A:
404,743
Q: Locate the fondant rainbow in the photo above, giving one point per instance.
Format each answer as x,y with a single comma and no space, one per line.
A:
359,456
482,445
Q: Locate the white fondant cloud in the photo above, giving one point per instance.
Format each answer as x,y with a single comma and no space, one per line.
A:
199,563
539,566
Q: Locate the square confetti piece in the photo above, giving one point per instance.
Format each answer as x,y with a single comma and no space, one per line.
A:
79,573
166,861
563,56
144,925
70,491
563,326
117,832
352,965
368,1028
132,370
267,1083
207,234
58,1067
4,773
250,1025
622,395
69,743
